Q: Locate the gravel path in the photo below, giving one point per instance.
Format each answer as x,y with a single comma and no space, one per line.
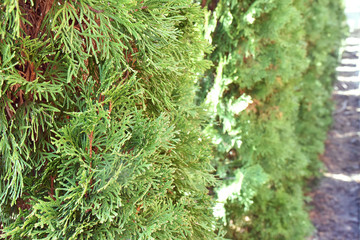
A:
336,199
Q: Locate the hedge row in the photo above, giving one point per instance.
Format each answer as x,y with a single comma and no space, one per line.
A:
100,136
268,94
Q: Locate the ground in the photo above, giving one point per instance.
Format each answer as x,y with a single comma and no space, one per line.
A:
336,197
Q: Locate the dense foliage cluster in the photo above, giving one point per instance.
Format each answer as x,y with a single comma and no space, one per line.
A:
269,99
100,138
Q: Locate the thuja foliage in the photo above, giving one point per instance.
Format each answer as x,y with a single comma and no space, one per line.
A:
100,138
269,97
322,35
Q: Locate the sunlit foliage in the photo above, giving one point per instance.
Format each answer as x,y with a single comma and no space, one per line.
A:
100,138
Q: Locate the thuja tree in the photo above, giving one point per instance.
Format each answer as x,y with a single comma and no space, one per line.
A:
100,138
323,36
269,66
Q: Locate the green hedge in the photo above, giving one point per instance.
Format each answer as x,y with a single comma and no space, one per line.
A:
100,136
268,95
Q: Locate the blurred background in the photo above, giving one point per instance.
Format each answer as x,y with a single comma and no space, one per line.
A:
352,12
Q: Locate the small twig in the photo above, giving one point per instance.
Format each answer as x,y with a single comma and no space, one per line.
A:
52,179
9,111
110,109
91,138
96,11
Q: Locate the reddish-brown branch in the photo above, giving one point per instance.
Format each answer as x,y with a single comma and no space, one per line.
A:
213,5
23,204
91,138
34,15
110,109
9,112
95,11
47,6
129,151
203,3
126,74
52,188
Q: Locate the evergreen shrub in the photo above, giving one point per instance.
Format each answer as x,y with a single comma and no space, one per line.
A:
268,95
100,136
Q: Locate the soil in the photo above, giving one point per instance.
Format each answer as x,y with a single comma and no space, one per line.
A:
336,198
